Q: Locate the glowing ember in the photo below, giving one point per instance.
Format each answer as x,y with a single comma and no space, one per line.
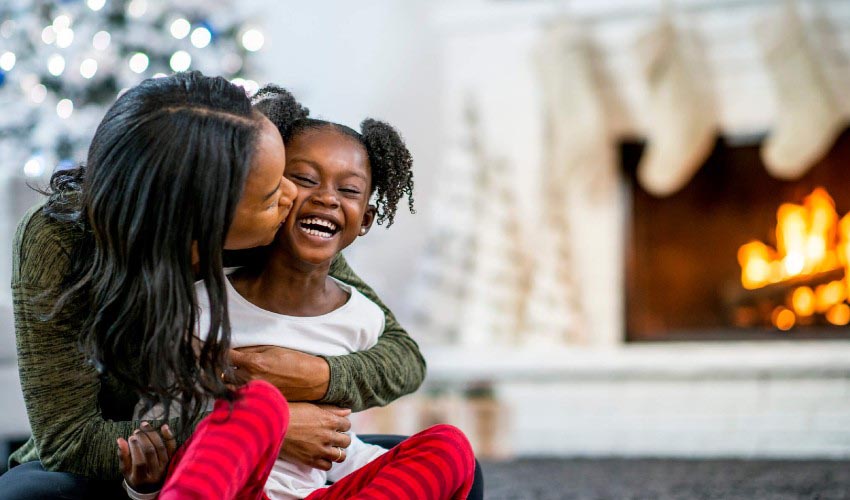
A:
784,319
810,239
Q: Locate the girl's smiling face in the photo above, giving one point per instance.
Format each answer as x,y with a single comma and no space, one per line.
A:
332,174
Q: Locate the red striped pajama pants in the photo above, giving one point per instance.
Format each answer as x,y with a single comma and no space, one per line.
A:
231,453
437,463
231,457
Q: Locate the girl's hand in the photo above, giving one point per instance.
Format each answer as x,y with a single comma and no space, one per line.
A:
315,435
298,376
144,457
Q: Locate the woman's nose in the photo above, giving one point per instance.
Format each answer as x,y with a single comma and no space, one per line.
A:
288,192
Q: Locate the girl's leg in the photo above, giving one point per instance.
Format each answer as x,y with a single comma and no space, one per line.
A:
230,454
437,463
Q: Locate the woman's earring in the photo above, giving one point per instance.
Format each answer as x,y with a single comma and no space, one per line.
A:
362,231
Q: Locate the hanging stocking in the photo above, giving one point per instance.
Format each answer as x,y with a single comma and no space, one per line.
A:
577,135
683,127
809,116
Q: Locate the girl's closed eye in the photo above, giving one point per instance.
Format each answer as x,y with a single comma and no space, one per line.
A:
303,179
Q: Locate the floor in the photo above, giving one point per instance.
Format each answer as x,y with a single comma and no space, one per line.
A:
550,479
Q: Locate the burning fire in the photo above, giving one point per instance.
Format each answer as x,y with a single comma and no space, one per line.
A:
811,240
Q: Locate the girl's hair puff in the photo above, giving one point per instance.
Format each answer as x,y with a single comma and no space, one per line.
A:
392,167
279,106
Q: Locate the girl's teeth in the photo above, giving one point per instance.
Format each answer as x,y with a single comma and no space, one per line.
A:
313,232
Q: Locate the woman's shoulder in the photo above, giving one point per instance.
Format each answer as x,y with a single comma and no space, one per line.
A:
42,246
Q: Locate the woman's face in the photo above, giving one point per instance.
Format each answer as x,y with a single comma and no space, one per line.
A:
267,197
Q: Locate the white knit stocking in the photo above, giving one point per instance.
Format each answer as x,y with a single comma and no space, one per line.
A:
809,118
683,126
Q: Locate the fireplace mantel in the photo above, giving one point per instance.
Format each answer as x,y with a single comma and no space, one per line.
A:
654,361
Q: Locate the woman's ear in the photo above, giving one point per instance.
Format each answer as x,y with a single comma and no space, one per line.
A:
368,219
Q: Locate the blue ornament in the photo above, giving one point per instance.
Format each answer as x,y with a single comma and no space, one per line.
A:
2,78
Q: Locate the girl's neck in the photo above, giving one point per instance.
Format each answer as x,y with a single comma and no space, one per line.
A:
286,286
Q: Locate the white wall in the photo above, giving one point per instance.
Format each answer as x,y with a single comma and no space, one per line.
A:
351,60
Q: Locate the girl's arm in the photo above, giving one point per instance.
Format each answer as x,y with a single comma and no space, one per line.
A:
60,389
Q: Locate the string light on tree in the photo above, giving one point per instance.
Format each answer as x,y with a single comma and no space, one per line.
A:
56,64
64,108
64,38
48,35
180,61
139,62
180,28
201,37
100,40
7,61
34,167
88,68
38,93
137,8
253,40
95,5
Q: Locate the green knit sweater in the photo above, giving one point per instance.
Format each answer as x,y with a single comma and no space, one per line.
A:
76,416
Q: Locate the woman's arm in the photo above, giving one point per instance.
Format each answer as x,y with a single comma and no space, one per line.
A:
60,389
375,377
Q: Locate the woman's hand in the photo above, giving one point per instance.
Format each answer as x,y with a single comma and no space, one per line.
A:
144,457
315,435
298,376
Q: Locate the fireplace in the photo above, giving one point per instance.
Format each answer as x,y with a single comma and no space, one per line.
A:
687,273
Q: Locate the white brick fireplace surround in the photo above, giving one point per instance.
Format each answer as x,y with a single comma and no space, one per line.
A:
733,399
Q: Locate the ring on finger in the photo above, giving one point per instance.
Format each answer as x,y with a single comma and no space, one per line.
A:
339,455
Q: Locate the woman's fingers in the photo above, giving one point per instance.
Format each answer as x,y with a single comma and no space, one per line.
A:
139,466
338,418
337,454
340,440
324,465
146,460
240,359
170,440
157,442
124,456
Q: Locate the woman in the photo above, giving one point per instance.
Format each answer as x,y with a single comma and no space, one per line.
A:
180,168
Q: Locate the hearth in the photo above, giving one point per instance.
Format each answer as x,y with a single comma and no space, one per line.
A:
738,254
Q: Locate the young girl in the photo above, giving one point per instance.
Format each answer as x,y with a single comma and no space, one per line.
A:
289,300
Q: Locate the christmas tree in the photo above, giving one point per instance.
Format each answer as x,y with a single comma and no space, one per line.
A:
63,63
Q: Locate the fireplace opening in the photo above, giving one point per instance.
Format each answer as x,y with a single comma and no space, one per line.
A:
738,254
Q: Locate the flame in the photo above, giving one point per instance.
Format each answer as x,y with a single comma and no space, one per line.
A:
810,239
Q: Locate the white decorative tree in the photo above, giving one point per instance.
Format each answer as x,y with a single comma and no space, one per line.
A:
472,282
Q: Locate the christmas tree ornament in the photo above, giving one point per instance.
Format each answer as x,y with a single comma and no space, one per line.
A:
809,117
682,124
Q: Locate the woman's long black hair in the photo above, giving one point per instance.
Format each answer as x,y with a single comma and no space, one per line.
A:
165,169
